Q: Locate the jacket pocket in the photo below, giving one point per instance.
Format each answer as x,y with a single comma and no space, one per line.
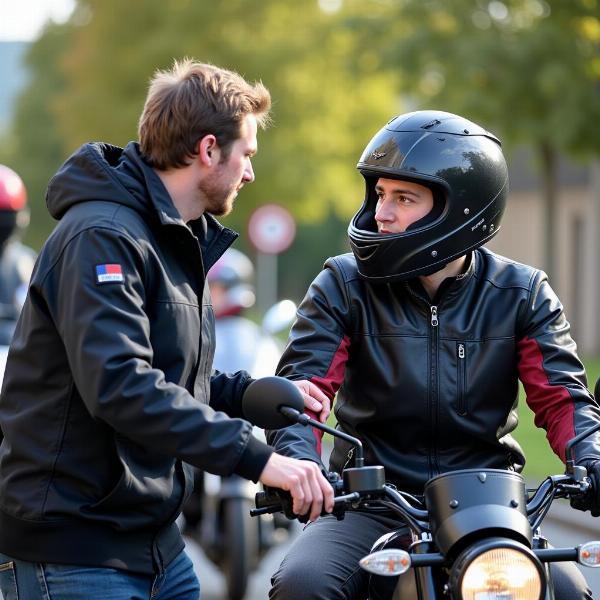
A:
8,581
461,379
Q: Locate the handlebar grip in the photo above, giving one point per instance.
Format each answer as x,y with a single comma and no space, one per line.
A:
273,500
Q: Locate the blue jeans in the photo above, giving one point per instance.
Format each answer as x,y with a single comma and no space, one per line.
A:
21,580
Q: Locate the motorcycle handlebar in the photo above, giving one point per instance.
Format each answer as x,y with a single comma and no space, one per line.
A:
561,486
274,501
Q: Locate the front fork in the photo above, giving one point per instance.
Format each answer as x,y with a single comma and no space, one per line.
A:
540,542
422,583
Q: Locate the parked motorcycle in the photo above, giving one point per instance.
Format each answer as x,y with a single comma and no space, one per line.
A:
233,541
475,533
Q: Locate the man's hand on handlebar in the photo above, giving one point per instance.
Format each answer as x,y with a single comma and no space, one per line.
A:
314,399
303,479
591,500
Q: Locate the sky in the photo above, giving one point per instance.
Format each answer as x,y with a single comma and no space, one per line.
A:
22,20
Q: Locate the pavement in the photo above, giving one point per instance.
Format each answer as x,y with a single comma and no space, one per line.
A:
212,583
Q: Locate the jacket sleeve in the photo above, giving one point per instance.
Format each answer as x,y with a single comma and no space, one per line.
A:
317,350
227,391
552,374
106,334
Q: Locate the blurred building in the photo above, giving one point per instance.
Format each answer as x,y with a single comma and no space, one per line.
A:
576,278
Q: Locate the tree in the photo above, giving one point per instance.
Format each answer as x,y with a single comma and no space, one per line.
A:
306,161
330,95
34,148
529,69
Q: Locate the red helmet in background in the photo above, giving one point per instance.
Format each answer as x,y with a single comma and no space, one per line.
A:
13,204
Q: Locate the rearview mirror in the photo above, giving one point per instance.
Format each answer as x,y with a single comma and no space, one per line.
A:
264,397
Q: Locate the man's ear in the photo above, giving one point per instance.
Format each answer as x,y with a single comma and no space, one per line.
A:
208,150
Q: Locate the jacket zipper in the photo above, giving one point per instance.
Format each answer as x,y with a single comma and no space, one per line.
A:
434,316
433,387
461,378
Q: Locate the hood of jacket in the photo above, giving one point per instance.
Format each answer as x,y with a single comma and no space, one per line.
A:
100,171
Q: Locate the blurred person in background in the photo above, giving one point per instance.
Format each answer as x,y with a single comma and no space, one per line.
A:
108,388
424,334
217,514
16,259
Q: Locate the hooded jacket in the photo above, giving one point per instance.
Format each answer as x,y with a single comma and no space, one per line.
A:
431,386
108,386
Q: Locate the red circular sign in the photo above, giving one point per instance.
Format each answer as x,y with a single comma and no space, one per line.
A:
271,229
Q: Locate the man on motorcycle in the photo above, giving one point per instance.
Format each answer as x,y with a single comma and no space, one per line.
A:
424,334
16,259
109,390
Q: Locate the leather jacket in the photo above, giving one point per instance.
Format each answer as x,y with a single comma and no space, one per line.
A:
431,386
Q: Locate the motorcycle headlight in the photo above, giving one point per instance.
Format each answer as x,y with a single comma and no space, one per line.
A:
501,571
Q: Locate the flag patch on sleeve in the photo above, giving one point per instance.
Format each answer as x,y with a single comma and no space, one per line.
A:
109,274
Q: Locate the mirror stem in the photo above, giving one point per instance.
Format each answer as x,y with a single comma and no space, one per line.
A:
297,417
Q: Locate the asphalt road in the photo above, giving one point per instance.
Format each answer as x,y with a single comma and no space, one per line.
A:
212,584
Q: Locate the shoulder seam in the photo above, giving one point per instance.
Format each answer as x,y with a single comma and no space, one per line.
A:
80,232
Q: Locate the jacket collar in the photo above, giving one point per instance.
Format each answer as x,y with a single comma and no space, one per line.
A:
213,237
449,288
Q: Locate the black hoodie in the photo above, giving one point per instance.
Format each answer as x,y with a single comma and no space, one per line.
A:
108,384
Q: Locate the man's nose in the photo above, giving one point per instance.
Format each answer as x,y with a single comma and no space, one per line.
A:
383,212
248,173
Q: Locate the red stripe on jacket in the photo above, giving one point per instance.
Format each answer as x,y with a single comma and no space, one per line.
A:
552,404
332,381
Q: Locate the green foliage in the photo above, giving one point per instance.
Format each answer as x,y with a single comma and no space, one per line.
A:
35,149
529,68
90,76
306,161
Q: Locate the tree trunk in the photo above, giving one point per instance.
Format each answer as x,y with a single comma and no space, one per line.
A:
549,161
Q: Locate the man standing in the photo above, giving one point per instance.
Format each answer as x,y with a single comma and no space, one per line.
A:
108,384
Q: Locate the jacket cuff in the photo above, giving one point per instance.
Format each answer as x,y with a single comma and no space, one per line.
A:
253,459
238,402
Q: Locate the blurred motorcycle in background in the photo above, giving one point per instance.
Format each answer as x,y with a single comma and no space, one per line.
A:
217,516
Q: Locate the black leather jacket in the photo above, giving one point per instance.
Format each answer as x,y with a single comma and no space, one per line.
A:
108,384
432,386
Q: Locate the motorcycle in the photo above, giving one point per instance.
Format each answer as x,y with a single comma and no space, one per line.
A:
233,541
475,532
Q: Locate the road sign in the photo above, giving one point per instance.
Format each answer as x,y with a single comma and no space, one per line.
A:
271,229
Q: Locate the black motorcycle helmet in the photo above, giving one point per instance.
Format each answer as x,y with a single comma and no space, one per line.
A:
464,167
14,216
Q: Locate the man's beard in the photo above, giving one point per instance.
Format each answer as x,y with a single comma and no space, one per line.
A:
218,196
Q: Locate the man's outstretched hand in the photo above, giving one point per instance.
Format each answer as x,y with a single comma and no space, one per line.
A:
314,399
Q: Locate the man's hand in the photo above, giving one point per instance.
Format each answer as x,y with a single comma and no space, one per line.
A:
314,399
303,479
591,501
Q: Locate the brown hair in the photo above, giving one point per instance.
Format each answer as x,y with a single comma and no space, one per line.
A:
192,100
